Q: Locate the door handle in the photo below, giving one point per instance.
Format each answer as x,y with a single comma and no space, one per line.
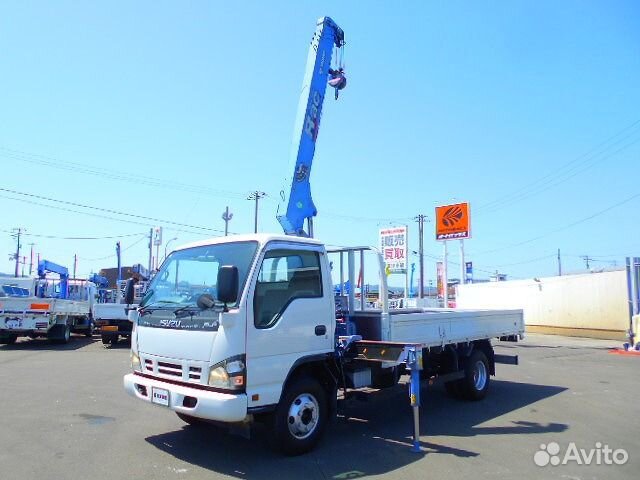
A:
321,330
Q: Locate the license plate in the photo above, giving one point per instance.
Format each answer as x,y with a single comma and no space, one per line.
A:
160,396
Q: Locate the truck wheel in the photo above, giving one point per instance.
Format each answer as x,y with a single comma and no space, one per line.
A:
476,379
60,333
300,417
193,421
8,340
89,331
109,341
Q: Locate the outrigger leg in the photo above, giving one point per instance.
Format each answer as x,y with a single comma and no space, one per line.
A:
414,364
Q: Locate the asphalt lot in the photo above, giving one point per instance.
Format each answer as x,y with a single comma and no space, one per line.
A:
65,415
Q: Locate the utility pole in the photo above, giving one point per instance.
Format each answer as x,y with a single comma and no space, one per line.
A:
227,216
31,261
587,259
75,264
559,264
150,249
17,233
119,262
420,219
257,195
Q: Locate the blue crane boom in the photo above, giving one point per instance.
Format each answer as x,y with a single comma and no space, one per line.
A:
299,205
45,266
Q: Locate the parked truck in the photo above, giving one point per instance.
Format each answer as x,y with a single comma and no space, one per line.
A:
245,328
111,314
46,307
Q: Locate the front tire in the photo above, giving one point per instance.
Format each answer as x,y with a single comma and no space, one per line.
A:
301,416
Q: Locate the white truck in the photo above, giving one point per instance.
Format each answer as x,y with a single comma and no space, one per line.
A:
111,316
31,307
244,328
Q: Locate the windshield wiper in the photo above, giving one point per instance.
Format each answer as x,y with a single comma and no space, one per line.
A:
147,309
185,311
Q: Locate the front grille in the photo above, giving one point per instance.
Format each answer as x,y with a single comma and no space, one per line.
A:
195,373
187,373
170,369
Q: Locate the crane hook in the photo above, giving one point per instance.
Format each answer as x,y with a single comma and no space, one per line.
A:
338,79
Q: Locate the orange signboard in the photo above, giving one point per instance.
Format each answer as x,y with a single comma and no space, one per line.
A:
453,222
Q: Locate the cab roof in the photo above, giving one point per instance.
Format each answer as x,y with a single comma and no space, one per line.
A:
261,238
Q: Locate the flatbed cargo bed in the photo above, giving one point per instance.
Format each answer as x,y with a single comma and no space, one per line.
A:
434,327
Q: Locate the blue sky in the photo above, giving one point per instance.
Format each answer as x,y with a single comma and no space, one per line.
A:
173,110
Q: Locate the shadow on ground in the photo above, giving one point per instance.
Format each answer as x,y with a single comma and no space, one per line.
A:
376,434
76,342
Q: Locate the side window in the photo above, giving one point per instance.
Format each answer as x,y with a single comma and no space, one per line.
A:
284,276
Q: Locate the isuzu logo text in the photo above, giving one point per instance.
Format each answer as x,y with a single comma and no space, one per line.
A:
170,323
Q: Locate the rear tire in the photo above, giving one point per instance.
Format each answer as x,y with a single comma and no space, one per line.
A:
476,379
300,417
60,333
109,341
89,331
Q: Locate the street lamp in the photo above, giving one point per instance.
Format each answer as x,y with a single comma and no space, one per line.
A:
166,245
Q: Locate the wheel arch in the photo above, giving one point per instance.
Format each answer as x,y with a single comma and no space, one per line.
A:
316,366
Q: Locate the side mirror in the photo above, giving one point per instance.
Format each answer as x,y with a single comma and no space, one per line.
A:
129,292
228,284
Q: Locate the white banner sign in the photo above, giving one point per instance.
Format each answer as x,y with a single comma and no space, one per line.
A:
393,244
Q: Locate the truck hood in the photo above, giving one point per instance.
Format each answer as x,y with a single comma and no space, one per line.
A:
182,344
188,338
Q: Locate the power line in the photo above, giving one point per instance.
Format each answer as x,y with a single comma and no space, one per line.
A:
560,180
76,238
56,163
565,227
143,236
107,210
565,172
75,167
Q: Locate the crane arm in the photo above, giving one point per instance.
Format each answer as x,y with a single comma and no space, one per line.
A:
298,205
45,266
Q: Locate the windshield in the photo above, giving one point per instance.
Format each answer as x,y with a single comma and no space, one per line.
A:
187,274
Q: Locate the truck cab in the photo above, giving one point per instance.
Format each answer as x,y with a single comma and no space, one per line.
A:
227,362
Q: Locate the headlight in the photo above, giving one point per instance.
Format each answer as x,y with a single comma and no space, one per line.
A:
135,362
228,374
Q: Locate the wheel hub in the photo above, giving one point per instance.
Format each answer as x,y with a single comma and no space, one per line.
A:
479,375
303,417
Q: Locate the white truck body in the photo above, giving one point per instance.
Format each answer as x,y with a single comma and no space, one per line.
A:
283,323
109,311
112,317
26,314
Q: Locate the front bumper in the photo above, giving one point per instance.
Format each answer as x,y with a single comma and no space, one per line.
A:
221,407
